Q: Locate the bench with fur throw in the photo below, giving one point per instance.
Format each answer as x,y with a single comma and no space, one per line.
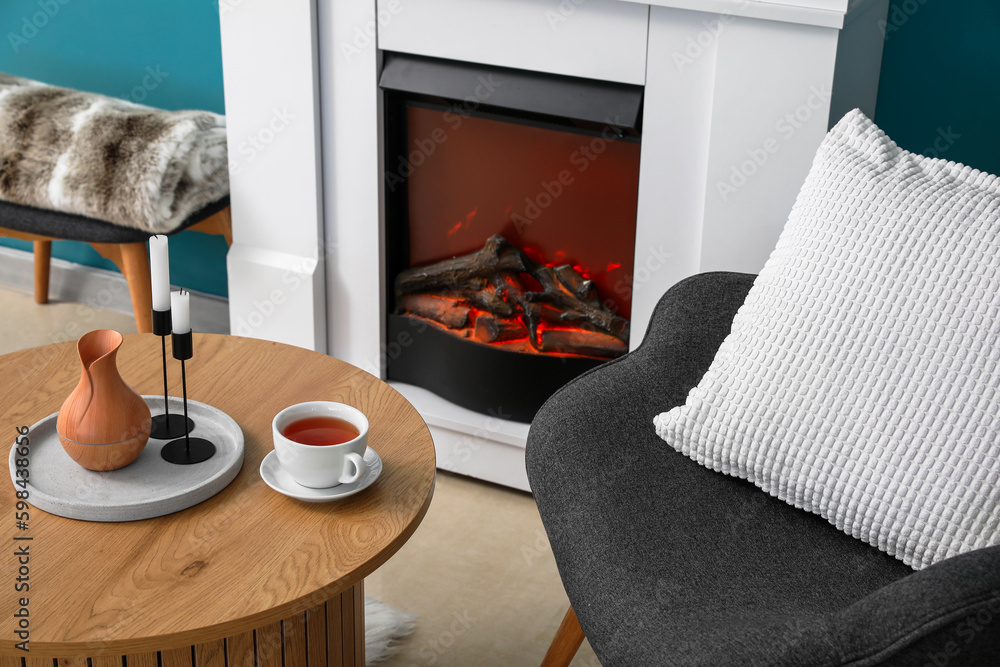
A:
106,158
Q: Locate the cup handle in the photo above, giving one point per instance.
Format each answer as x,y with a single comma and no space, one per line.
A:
359,468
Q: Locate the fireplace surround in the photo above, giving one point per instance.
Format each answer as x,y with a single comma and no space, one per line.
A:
737,95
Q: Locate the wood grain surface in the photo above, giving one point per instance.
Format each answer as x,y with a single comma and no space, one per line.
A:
244,559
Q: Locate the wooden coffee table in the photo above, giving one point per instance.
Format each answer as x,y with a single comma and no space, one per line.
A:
247,577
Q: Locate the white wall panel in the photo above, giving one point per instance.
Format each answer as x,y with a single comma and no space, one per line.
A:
773,84
276,282
351,181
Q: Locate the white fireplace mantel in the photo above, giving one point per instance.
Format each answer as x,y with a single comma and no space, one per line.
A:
825,13
738,95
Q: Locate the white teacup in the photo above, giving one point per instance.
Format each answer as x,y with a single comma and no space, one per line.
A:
321,466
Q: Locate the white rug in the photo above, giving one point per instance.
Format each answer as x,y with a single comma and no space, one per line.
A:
384,627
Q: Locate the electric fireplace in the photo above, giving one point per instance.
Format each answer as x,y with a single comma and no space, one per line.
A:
309,266
510,229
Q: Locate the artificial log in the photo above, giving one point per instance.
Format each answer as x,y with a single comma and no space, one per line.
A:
490,280
579,341
491,329
448,312
496,256
576,299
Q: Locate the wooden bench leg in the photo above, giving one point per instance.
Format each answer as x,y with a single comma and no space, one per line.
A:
43,258
566,643
220,223
132,260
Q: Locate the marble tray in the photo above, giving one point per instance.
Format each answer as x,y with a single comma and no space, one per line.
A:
147,487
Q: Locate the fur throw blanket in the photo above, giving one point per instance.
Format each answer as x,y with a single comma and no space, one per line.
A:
107,158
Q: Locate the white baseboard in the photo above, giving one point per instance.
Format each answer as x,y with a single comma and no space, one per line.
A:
100,288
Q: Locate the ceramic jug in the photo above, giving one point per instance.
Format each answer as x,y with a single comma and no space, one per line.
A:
104,424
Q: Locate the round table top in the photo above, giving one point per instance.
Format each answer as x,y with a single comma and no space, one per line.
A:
244,558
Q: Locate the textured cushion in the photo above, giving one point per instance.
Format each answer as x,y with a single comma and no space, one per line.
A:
861,378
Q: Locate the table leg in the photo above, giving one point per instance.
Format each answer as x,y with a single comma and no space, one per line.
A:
210,654
316,635
269,646
328,635
178,657
239,650
293,635
345,622
140,660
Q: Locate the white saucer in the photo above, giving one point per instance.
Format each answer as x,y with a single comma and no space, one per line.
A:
278,479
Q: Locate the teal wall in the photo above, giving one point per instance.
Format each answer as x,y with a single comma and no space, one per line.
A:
106,46
940,80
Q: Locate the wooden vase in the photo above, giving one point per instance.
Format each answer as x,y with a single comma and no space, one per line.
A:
104,423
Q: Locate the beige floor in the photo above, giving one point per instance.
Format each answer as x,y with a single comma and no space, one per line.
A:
478,571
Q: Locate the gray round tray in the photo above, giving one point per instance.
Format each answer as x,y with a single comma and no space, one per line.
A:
147,487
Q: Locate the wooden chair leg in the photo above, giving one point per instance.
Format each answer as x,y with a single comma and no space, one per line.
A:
566,643
43,259
132,260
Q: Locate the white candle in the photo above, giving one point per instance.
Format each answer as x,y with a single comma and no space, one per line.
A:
180,306
159,272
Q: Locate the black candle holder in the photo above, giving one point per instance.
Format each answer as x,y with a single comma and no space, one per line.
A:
186,450
166,425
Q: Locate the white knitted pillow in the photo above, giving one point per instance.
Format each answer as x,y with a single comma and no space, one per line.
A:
861,378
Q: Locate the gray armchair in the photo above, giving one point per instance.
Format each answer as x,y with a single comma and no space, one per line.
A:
668,563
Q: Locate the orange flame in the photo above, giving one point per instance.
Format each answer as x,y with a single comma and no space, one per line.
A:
462,224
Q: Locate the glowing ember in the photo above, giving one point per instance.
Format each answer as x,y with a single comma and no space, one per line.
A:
500,295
